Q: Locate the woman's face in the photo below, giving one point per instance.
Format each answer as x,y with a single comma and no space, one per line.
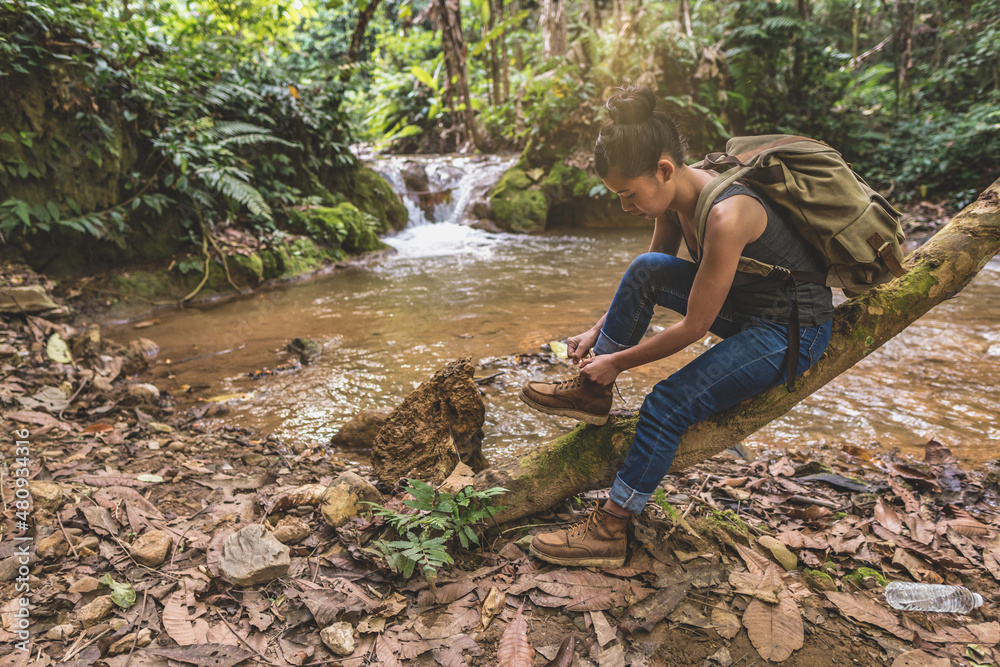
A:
645,196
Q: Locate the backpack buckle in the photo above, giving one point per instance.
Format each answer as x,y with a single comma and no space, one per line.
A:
880,251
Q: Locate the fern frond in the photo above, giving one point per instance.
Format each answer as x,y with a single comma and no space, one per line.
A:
245,194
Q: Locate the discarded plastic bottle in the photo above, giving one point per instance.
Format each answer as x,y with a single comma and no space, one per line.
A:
910,596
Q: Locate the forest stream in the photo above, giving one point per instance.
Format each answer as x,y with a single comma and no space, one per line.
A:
450,290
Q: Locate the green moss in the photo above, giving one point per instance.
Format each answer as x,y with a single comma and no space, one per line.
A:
819,581
726,520
860,575
342,226
300,255
373,195
584,451
146,284
251,265
518,204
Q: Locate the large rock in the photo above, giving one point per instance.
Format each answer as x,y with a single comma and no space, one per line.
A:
253,556
343,499
421,435
25,298
360,432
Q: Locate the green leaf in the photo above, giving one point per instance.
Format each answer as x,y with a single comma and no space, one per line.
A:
424,78
122,594
57,350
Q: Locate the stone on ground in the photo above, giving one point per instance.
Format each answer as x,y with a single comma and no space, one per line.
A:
343,499
94,612
339,638
253,556
151,548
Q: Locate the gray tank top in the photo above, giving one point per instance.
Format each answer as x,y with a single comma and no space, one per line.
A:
781,244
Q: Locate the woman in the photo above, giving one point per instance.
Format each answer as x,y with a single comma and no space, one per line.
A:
640,156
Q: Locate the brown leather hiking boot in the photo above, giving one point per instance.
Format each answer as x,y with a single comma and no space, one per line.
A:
597,541
578,398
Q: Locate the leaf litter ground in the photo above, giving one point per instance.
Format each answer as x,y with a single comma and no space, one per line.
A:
738,562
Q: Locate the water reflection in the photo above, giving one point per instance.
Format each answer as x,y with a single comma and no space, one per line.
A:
453,291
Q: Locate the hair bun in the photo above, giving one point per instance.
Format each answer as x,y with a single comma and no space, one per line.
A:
631,105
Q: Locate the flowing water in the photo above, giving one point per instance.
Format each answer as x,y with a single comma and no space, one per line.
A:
451,290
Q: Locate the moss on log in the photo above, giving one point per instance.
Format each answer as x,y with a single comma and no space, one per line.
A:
589,457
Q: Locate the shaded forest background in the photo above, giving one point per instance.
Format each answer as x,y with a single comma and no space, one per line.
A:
145,124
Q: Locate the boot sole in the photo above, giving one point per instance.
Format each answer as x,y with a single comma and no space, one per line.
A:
596,420
608,563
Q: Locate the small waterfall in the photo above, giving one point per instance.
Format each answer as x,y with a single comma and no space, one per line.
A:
442,189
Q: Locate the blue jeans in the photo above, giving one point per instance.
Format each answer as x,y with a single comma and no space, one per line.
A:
752,357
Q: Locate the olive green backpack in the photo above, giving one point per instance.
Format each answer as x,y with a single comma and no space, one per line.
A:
855,229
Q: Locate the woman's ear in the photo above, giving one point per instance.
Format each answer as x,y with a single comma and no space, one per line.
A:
665,169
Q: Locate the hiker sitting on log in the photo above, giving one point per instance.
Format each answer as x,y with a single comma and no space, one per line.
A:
640,156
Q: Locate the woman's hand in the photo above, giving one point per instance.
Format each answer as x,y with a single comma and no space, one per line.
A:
578,346
601,369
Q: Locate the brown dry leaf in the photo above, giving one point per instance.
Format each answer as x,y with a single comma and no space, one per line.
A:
550,601
100,519
515,649
910,503
967,525
461,615
770,587
991,557
756,564
564,658
109,497
932,555
386,656
593,599
775,630
110,480
203,654
461,477
936,454
919,658
492,605
613,656
811,513
921,529
727,624
964,546
644,615
917,568
182,627
863,609
605,632
887,516
782,466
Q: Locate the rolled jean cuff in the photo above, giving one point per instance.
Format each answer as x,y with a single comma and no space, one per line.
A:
628,498
606,345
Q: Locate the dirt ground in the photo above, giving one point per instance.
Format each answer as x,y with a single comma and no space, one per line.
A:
737,560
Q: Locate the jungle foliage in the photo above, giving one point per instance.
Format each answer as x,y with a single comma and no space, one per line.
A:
909,90
236,111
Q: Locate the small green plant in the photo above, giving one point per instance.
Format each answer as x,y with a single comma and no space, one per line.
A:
425,534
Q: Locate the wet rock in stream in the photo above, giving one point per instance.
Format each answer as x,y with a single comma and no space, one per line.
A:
441,416
360,432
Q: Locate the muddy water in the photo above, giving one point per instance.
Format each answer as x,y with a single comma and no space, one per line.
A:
452,291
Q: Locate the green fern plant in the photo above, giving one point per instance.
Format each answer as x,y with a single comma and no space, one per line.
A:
437,521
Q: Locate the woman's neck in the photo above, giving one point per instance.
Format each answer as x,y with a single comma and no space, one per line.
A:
690,183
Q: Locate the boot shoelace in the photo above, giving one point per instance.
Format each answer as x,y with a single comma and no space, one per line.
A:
583,526
568,384
575,383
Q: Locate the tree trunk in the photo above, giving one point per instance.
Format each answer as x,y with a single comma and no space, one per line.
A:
684,16
904,49
855,30
494,53
457,84
554,31
799,48
502,44
354,50
589,457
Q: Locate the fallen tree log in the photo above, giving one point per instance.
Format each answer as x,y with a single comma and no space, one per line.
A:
589,457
